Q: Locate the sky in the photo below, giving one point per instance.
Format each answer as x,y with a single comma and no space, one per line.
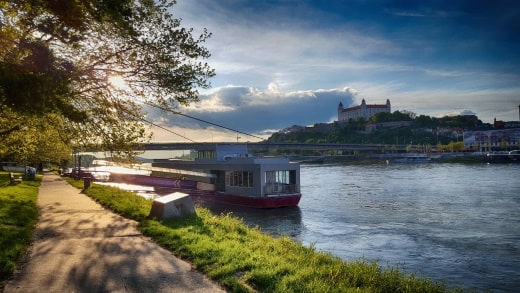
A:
280,63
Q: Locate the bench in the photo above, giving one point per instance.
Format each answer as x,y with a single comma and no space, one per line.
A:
14,179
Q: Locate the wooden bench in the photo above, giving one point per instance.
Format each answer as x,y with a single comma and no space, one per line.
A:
14,179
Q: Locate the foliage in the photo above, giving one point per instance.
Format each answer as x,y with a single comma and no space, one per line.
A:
18,217
246,260
422,130
96,63
392,117
39,139
452,146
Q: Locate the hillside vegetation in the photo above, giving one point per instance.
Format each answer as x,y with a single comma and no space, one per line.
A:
397,128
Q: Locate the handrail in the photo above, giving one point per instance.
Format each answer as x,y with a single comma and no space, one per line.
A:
281,188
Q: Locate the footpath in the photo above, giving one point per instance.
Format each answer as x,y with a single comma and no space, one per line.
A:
81,247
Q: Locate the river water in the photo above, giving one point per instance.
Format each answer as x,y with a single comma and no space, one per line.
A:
455,223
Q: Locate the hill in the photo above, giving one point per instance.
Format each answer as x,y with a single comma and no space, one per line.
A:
397,128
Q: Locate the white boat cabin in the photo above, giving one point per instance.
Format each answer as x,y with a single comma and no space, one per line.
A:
234,171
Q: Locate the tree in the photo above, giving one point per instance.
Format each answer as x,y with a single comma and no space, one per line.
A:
425,121
381,117
411,115
503,144
98,64
38,140
403,116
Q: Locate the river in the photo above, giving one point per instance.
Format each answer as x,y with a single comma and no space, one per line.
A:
455,223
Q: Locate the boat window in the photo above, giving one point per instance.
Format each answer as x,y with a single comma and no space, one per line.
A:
239,178
208,154
278,177
279,182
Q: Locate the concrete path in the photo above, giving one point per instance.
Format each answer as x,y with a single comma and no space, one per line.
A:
81,247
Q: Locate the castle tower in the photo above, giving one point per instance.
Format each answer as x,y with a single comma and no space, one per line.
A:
388,106
340,110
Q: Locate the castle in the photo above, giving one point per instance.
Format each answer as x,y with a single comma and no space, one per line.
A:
363,110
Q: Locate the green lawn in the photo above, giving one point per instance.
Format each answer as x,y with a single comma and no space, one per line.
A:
18,217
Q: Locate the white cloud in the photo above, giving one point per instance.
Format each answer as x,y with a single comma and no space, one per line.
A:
276,70
253,110
457,112
262,111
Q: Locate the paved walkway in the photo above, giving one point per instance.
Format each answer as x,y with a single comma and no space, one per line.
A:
81,247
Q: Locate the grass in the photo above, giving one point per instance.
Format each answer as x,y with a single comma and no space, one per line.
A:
125,203
18,217
245,260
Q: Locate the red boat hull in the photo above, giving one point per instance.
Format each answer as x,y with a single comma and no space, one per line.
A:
249,201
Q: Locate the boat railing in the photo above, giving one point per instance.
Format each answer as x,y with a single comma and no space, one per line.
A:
281,188
150,169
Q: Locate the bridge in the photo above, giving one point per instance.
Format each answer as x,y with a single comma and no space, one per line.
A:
266,146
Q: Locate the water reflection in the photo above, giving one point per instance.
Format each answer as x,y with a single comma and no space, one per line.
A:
275,222
144,191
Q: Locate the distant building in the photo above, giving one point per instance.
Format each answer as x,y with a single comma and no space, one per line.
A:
497,124
492,139
363,110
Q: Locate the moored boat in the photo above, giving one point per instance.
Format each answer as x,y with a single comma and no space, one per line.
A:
503,157
413,159
227,174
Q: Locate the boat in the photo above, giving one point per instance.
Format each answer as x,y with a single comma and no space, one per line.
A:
413,159
226,173
503,157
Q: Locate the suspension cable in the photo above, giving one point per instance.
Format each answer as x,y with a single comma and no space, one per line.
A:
201,120
164,128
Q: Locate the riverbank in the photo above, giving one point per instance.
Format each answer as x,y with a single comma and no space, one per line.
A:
246,260
455,157
222,247
79,246
446,222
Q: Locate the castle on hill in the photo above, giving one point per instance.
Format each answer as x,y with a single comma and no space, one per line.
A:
363,110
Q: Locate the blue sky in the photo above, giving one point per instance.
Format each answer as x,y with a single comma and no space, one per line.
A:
290,62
